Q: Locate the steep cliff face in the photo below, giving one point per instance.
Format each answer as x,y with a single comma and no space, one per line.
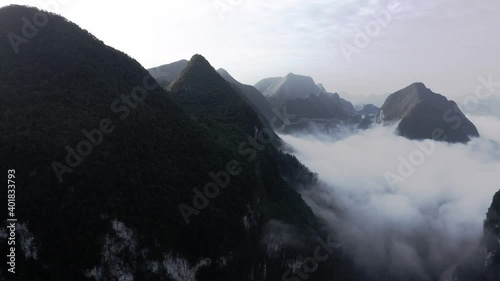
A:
492,239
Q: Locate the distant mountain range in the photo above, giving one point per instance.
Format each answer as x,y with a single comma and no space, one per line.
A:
255,98
168,73
308,102
421,113
292,86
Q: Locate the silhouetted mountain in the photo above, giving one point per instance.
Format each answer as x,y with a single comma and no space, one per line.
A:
253,97
264,84
492,239
287,88
312,107
322,106
424,114
369,109
117,182
347,105
216,105
321,87
167,73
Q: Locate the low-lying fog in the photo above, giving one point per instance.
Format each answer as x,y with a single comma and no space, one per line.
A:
401,207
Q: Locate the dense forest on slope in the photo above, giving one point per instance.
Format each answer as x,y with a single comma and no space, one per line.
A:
106,206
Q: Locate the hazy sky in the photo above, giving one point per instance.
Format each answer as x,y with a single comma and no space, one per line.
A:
446,44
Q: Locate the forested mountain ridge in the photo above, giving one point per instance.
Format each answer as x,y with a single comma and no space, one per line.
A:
253,97
105,160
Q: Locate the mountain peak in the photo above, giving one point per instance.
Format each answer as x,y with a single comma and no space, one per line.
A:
292,86
398,104
421,111
418,85
197,70
198,60
417,88
321,87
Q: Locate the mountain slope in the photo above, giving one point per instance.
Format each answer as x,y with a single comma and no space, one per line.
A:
289,87
253,97
492,238
369,109
427,115
166,74
322,106
131,182
265,83
214,103
105,159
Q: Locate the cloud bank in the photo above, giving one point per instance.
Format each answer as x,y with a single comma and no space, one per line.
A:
415,228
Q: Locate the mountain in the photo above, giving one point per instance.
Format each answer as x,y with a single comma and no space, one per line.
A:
118,179
322,106
369,109
321,87
424,114
310,104
214,103
252,96
292,86
265,83
347,105
492,239
166,74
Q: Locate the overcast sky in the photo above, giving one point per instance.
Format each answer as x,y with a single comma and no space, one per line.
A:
446,44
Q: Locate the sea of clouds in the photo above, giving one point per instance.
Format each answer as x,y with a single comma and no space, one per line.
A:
403,209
